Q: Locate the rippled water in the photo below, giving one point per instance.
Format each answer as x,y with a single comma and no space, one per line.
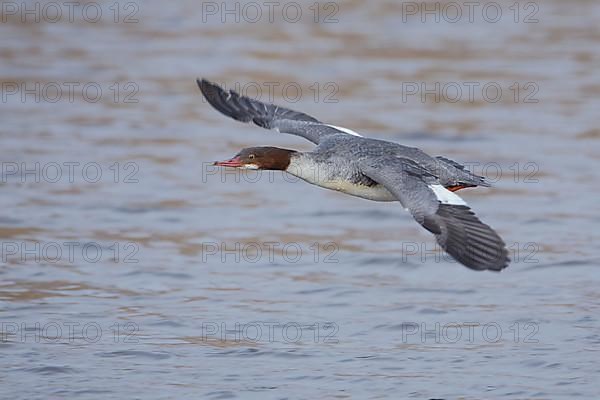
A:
132,268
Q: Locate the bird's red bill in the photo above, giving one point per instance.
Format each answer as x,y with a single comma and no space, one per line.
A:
234,162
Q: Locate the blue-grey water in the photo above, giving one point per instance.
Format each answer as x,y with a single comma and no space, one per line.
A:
131,268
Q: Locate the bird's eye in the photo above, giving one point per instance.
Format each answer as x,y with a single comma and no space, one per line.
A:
251,156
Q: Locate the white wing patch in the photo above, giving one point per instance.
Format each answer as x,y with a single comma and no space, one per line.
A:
446,197
345,130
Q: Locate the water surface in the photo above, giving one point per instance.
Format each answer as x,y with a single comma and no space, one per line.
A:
132,268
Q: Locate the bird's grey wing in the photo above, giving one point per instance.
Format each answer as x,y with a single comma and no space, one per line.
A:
269,116
456,228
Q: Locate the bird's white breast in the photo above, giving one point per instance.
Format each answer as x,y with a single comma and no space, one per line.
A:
321,175
375,192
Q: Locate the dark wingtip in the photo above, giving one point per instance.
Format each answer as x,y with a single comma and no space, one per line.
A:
505,261
470,241
226,102
203,83
206,86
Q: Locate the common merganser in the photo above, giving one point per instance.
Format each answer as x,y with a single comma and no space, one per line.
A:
372,169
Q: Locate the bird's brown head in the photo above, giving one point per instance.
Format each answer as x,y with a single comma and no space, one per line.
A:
268,158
